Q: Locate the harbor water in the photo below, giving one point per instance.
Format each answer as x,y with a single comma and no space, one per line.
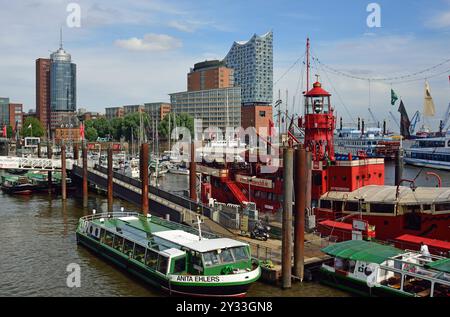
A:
38,244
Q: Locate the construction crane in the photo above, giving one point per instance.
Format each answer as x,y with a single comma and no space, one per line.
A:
415,119
373,117
395,119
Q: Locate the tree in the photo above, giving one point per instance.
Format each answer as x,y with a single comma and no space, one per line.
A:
9,132
116,125
178,120
132,122
103,127
36,129
91,134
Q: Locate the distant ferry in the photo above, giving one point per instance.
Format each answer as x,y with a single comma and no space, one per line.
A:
371,143
430,152
169,255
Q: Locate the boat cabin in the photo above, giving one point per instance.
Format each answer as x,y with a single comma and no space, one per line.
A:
386,270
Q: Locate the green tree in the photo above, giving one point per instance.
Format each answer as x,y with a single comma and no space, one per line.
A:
9,132
116,125
103,127
36,129
178,120
132,122
91,134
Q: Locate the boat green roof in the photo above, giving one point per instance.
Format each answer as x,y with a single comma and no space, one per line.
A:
442,265
360,250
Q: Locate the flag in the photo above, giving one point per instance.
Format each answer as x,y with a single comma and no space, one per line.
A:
394,97
428,105
404,120
271,128
4,131
82,131
30,126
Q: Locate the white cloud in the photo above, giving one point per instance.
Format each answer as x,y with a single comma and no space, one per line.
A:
439,21
150,42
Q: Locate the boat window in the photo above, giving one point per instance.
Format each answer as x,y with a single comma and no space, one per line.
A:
417,286
179,265
118,243
128,247
151,259
324,203
426,207
109,237
351,206
442,207
390,279
163,261
226,256
337,205
139,253
441,290
240,253
382,208
210,258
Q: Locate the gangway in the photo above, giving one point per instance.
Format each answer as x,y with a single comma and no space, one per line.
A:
33,163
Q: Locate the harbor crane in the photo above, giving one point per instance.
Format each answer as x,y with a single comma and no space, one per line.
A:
415,119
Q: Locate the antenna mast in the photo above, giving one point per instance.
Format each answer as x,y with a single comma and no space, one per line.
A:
307,64
60,38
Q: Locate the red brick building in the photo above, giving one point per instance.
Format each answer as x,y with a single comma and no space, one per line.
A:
257,116
210,75
43,91
16,115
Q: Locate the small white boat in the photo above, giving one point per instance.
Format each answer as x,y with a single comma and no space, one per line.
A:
179,170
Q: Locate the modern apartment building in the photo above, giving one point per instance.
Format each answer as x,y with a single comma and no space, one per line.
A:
252,62
4,112
114,112
157,110
210,75
219,107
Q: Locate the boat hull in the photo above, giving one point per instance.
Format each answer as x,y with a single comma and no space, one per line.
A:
158,280
428,164
357,287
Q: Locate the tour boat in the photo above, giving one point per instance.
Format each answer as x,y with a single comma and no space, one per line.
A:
174,257
371,142
17,185
430,152
373,269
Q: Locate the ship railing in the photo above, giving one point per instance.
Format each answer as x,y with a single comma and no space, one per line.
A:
109,215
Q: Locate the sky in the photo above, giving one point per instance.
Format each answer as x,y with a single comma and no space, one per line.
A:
138,51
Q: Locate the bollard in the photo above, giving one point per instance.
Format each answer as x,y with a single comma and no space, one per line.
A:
192,174
144,177
63,172
85,176
300,203
286,247
49,173
110,180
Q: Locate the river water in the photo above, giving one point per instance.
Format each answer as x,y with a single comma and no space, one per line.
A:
37,243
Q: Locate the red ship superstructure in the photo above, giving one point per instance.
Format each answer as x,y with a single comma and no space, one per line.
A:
343,188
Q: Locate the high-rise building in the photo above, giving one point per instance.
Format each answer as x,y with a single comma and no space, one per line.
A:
4,112
62,87
210,75
216,107
252,62
43,91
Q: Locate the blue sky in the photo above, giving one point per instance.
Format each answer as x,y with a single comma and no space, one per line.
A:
138,51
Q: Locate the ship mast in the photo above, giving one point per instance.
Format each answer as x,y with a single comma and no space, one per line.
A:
307,64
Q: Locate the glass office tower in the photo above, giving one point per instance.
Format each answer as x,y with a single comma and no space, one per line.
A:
62,82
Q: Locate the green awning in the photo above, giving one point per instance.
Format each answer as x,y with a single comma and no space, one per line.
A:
360,250
442,265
